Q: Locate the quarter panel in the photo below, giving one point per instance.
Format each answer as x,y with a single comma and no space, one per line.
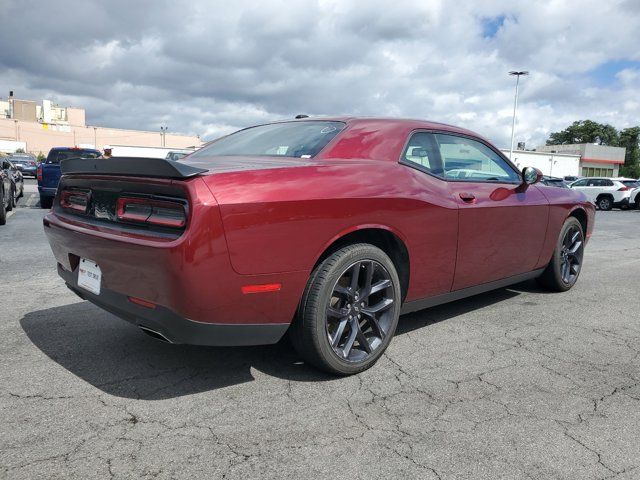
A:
281,220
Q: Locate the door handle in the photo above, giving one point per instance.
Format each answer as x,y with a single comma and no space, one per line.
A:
467,197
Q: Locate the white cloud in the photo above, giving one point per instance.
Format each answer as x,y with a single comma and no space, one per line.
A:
210,67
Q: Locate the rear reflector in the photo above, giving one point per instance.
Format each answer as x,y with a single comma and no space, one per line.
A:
142,303
39,173
267,287
163,213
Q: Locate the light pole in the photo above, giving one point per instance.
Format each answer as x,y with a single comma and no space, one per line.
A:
95,137
515,108
163,133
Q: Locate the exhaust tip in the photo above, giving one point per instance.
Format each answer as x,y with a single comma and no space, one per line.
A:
154,334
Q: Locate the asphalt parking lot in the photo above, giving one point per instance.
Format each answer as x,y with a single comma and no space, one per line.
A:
516,383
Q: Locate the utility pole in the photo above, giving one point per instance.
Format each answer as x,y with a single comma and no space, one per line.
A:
95,137
515,108
163,134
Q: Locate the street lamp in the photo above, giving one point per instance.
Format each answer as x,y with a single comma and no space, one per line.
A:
163,133
515,108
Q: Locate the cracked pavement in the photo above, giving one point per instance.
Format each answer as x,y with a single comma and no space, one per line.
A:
516,383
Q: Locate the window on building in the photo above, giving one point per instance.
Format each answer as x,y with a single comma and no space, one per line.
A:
597,172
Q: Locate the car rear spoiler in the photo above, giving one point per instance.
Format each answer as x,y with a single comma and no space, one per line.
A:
129,166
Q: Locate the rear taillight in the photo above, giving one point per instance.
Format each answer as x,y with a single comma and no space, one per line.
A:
623,189
39,173
74,200
163,213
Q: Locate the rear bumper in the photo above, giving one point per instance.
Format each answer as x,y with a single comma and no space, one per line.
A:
198,297
622,203
173,327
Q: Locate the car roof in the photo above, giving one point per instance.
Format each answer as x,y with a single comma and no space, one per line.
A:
410,122
74,148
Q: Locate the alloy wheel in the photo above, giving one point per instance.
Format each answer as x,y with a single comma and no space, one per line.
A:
604,204
571,255
359,313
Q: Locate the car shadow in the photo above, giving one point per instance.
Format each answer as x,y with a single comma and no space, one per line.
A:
115,357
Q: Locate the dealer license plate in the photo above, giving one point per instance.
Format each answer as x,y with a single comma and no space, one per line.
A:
89,276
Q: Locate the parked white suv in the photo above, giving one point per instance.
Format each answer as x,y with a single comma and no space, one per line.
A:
634,196
606,193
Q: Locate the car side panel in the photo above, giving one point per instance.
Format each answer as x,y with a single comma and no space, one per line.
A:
282,220
562,202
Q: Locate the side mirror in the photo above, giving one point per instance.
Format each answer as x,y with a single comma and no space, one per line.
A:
531,175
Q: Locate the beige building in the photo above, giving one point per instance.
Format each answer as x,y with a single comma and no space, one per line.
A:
43,126
595,160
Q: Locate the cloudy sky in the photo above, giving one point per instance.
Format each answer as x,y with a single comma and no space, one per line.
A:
209,67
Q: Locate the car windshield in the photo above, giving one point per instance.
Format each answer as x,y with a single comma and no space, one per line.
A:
58,155
289,139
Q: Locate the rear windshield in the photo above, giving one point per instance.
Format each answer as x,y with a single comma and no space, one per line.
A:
289,139
56,156
631,183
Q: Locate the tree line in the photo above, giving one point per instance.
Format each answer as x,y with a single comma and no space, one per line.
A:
588,131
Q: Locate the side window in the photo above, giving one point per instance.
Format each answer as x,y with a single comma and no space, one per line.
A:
607,183
470,160
421,151
580,183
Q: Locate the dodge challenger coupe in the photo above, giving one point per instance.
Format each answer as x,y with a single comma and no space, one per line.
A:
329,229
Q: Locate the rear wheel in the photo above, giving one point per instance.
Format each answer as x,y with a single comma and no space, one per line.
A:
11,201
349,310
564,268
3,207
605,203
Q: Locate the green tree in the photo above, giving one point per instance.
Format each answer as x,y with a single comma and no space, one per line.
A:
41,157
586,131
20,150
630,139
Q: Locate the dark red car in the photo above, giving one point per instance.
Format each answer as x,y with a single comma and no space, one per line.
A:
328,228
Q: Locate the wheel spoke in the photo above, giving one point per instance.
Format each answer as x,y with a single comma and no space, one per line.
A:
574,247
362,339
575,236
342,291
565,271
335,341
355,276
346,350
378,307
376,287
370,267
375,326
336,312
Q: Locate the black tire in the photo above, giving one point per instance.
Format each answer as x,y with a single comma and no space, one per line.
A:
555,276
46,202
638,202
12,200
605,203
324,307
3,208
